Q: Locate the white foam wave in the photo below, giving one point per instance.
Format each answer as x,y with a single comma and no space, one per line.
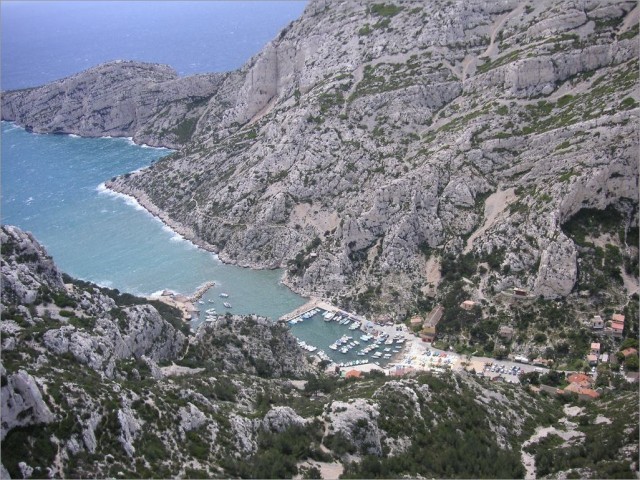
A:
28,200
128,199
104,283
131,201
158,293
73,135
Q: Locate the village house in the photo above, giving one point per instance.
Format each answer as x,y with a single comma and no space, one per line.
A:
629,351
580,379
416,321
597,323
595,349
582,392
506,332
592,360
615,326
468,305
520,292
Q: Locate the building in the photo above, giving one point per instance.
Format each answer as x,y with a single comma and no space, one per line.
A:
353,374
580,379
468,305
582,392
604,358
595,349
615,326
416,321
592,359
520,292
429,327
597,323
506,332
542,362
629,351
617,317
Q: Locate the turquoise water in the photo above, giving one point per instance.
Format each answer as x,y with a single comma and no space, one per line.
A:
321,334
51,186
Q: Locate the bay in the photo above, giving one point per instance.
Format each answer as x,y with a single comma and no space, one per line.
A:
51,186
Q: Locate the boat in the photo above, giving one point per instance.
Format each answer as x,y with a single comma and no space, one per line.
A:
327,319
224,295
333,346
227,305
344,350
200,302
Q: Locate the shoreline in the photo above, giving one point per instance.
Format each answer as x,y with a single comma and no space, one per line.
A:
143,201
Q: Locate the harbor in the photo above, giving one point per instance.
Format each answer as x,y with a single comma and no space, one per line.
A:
344,339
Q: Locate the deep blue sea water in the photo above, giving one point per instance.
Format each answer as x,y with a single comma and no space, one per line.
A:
47,40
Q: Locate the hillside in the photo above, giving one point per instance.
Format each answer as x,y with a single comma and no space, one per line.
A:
368,142
96,383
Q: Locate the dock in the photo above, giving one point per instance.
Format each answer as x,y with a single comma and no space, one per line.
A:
322,304
201,290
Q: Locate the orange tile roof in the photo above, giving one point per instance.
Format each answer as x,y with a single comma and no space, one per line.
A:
353,374
617,317
617,325
629,351
579,378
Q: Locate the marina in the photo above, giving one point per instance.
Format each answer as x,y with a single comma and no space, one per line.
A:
343,338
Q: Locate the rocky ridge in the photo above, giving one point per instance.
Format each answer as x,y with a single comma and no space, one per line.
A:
83,396
365,142
148,102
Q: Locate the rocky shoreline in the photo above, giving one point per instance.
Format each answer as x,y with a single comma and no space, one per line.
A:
145,202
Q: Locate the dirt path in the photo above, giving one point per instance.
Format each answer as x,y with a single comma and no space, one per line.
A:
493,207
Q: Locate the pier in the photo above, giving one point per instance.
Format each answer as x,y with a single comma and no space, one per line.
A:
318,303
202,289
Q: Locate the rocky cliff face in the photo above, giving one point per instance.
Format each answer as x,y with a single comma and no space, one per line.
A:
148,102
368,141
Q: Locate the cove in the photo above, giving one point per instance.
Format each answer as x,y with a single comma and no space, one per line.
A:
52,186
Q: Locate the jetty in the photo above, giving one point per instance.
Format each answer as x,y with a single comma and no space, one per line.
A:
202,289
323,305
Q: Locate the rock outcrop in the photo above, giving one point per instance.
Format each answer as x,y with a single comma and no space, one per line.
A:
22,402
252,345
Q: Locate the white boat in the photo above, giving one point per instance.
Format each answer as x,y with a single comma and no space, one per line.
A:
200,302
227,305
333,346
224,295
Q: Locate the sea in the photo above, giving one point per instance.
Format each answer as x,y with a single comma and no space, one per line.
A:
53,185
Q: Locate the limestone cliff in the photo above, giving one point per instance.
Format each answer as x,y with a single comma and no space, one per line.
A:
368,141
148,102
